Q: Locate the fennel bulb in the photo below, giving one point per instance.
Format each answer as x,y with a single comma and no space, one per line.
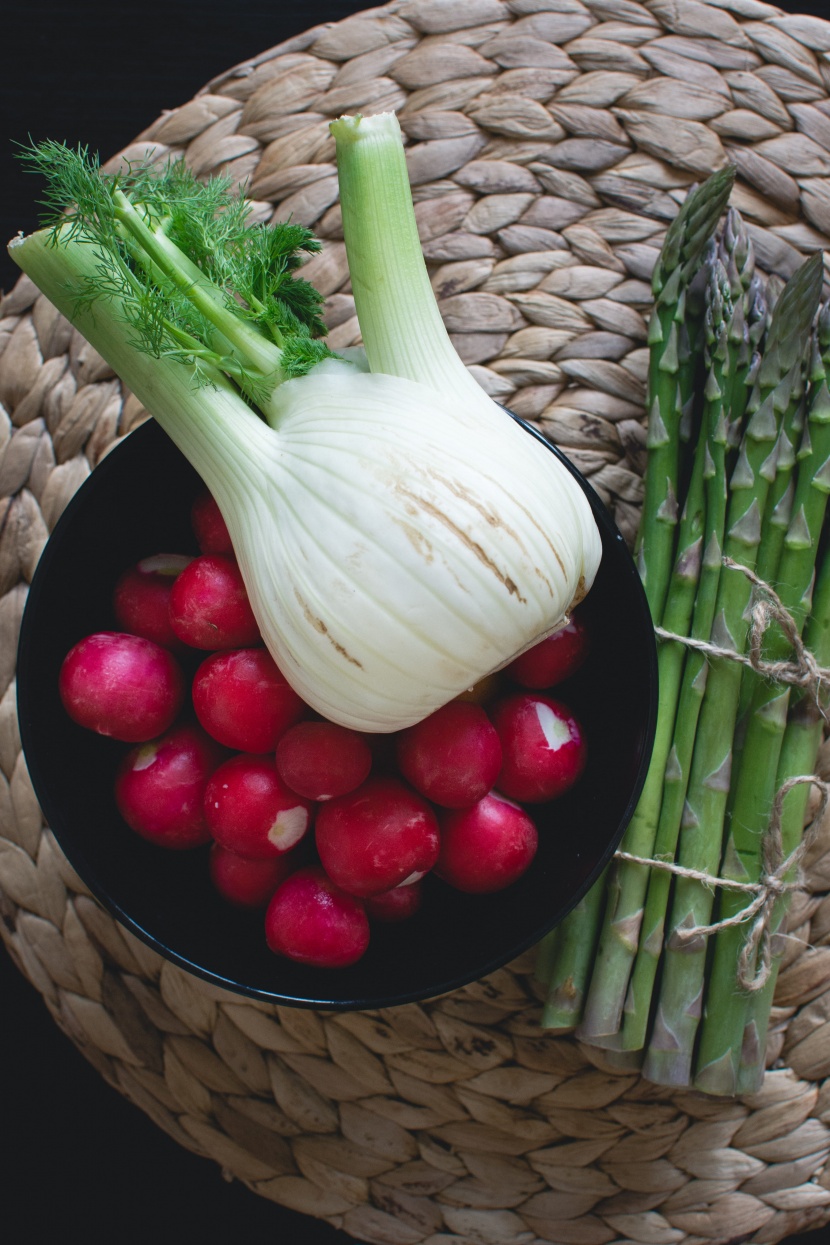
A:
400,536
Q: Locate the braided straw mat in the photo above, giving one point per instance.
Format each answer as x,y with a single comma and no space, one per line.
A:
550,142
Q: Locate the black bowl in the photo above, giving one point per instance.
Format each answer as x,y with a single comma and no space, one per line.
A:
136,503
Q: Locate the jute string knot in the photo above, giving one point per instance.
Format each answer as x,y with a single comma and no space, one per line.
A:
755,960
803,671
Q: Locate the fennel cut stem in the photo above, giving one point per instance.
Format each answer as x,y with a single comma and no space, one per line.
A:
211,424
400,322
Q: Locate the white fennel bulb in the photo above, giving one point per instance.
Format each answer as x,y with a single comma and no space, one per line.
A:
399,534
411,553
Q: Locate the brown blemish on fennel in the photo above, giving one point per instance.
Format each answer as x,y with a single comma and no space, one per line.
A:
580,594
320,626
418,541
494,521
465,539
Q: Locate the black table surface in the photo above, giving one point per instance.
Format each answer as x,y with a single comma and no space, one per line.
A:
77,1156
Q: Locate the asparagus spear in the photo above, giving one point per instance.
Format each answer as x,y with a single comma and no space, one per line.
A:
723,1025
748,321
570,955
629,881
669,1057
639,999
686,239
802,739
679,259
776,521
780,501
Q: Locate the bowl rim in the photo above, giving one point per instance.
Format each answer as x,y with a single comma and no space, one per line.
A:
85,868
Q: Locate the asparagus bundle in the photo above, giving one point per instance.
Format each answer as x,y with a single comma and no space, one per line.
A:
735,493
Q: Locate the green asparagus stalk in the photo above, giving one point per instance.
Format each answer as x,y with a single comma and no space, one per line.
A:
746,325
669,1056
570,955
780,501
619,939
639,1000
686,240
679,260
776,521
799,750
722,1029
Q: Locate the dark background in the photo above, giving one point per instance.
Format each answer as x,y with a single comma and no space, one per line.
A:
78,1160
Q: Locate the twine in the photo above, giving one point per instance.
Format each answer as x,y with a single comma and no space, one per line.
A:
755,960
802,671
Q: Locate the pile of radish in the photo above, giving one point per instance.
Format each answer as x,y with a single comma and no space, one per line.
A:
326,829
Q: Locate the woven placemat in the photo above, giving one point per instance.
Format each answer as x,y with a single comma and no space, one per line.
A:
550,142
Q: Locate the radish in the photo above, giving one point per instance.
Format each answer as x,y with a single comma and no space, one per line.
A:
121,685
243,881
250,810
554,659
311,920
141,600
487,847
209,527
398,904
376,837
242,699
160,787
321,760
543,747
209,606
453,757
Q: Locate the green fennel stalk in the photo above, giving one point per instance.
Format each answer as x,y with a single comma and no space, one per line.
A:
403,336
180,265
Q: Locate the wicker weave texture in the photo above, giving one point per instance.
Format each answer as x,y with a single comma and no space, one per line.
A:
550,143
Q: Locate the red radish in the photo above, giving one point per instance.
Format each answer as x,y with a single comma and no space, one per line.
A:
376,837
322,760
250,810
453,757
121,685
487,847
242,699
311,920
243,881
552,660
209,527
209,606
141,600
160,787
543,747
398,904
